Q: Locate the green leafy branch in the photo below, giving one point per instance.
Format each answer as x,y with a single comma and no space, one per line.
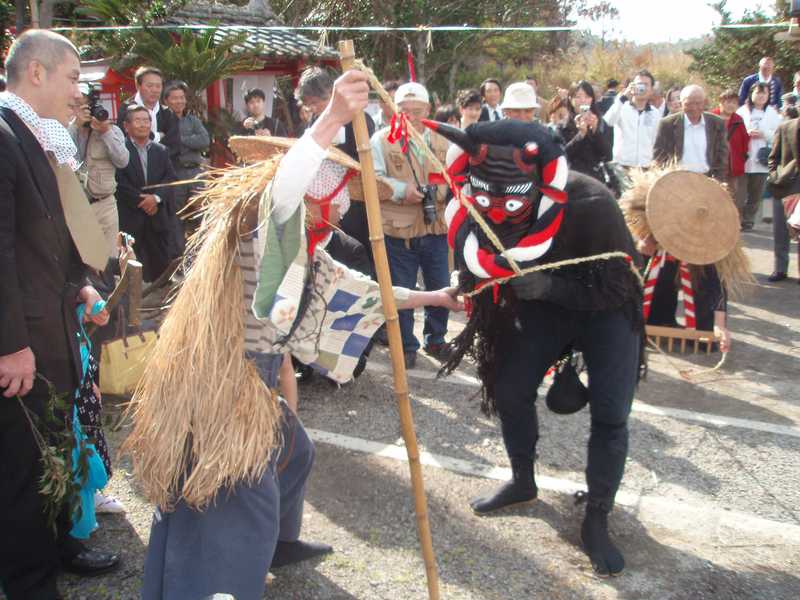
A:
60,484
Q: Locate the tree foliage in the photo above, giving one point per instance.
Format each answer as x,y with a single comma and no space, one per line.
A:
733,53
443,61
198,58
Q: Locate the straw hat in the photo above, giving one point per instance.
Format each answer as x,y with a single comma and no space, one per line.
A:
257,148
692,217
253,148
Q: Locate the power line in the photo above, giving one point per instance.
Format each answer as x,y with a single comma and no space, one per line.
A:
321,28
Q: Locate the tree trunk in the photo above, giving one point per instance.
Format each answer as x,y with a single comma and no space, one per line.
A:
421,46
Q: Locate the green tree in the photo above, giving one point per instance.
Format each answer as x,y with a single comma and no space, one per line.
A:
444,61
731,54
198,58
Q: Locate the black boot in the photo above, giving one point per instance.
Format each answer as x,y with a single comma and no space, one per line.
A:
605,556
521,489
289,553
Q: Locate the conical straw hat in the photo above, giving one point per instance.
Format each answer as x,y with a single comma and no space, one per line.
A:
262,147
692,217
256,148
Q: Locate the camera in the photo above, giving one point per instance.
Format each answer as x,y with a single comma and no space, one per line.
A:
641,88
428,203
95,108
585,108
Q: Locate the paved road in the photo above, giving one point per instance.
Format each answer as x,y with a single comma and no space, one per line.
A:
709,506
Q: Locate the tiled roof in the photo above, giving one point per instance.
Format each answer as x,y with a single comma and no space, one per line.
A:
274,43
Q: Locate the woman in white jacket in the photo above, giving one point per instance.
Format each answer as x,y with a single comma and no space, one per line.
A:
761,121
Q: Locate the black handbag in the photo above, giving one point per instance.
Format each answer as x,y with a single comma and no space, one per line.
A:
567,395
762,156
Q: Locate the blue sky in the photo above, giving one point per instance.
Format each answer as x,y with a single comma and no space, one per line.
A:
646,21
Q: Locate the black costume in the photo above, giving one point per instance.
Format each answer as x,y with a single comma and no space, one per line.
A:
516,178
42,274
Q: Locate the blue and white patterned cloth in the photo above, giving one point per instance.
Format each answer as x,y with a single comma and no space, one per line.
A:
51,135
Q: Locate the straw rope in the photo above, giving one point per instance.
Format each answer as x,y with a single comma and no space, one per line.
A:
563,263
688,374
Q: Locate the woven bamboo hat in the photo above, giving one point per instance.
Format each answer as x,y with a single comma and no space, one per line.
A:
692,217
258,148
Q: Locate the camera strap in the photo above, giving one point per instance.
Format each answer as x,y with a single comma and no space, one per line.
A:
411,166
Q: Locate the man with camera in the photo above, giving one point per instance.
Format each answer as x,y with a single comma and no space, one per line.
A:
413,221
635,122
101,151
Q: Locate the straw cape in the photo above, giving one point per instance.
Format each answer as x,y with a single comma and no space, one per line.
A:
251,149
203,419
692,217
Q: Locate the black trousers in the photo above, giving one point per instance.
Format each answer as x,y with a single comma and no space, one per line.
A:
354,224
610,346
29,548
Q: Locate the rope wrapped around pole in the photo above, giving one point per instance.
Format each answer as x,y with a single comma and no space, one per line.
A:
347,57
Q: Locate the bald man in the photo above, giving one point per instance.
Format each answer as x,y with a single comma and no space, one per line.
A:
693,139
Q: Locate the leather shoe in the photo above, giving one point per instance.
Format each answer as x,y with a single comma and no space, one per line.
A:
90,562
441,352
777,276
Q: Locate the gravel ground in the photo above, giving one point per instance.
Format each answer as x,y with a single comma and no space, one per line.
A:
362,505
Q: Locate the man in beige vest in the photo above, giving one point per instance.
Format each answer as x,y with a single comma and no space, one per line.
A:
413,221
101,151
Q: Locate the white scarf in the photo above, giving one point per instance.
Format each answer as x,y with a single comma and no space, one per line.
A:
52,136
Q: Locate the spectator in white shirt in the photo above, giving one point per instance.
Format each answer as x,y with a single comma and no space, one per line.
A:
761,121
491,91
635,123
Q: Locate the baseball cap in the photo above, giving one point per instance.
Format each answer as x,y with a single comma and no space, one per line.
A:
411,91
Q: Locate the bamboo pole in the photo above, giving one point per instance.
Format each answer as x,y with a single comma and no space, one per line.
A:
347,56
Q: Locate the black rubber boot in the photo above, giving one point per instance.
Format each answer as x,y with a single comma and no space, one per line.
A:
289,553
520,490
605,556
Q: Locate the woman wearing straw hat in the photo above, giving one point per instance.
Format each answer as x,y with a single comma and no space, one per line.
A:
220,455
689,225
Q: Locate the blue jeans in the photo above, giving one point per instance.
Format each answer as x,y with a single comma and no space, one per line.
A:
406,258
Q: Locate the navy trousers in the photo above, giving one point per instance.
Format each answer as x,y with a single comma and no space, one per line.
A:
228,548
610,347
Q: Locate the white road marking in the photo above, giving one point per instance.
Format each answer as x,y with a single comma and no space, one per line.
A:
640,407
712,523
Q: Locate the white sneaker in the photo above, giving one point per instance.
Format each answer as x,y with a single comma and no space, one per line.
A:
107,504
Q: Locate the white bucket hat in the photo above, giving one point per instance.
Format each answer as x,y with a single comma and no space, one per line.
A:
411,91
519,95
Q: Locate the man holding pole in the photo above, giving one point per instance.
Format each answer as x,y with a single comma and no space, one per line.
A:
413,222
232,503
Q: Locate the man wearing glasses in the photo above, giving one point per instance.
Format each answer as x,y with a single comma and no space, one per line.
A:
413,222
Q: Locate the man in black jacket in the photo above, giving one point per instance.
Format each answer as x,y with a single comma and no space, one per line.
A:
147,211
42,280
164,126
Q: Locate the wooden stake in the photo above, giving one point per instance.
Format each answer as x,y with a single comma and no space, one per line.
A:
347,56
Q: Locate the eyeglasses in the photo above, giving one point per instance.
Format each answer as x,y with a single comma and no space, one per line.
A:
414,112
